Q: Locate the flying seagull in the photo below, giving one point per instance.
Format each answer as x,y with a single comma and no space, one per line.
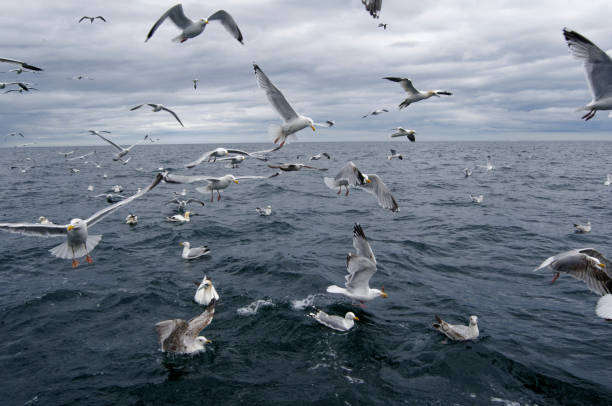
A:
234,160
122,151
91,19
394,154
24,65
382,25
294,167
22,85
598,70
180,336
211,156
589,266
192,29
361,266
458,332
413,94
373,7
195,83
182,204
81,156
159,107
319,156
349,175
376,112
292,121
335,322
402,132
78,242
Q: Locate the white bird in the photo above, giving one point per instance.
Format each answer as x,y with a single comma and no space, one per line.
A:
158,107
376,112
211,156
319,156
608,181
90,188
467,172
373,7
177,218
598,70
458,332
192,29
91,19
413,94
22,85
402,132
234,161
180,336
206,292
44,220
361,267
131,219
489,166
16,134
117,188
583,228
349,175
292,121
193,253
394,154
182,204
78,242
214,183
589,266
264,211
195,83
122,151
477,198
81,156
23,65
291,167
335,322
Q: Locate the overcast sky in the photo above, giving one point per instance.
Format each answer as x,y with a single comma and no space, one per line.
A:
506,62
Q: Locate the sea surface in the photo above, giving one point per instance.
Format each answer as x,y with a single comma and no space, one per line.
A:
86,336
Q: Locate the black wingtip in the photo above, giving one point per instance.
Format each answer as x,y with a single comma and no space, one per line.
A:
358,231
438,319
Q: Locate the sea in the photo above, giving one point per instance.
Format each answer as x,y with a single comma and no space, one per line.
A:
86,336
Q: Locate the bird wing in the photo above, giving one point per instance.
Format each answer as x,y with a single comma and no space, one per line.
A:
198,161
23,64
361,244
177,16
393,151
373,7
194,201
83,18
326,155
109,141
200,322
328,123
139,142
136,107
34,229
175,200
255,154
360,270
196,252
596,254
167,327
351,174
228,22
275,97
170,178
405,83
335,322
378,188
174,114
101,18
99,215
256,177
597,64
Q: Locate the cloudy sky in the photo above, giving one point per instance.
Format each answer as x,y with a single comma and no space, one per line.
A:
506,63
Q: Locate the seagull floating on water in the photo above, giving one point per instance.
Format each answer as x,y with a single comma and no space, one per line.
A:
477,198
335,322
265,211
583,228
180,336
413,94
458,332
193,253
608,181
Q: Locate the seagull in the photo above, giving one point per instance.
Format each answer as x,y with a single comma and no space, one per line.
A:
265,211
131,219
589,266
214,183
75,170
235,161
27,88
206,292
23,65
319,156
468,172
78,242
373,7
192,29
489,166
349,175
193,253
15,134
211,156
335,322
177,218
81,77
477,198
159,107
195,83
583,228
180,336
608,181
382,25
111,197
90,188
22,85
66,154
182,204
294,167
91,19
458,332
598,70
413,94
394,154
383,195
376,112
292,121
122,151
360,266
402,132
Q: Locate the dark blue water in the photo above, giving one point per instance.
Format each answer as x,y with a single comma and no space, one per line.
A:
87,336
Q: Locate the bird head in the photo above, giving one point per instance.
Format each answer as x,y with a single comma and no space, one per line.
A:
184,244
473,320
75,224
432,93
187,213
595,262
351,316
310,123
366,179
203,340
203,21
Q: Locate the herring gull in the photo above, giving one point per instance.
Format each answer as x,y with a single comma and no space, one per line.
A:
319,156
349,175
158,107
583,228
23,65
376,113
180,336
415,95
211,156
193,253
335,322
122,151
91,19
458,332
264,211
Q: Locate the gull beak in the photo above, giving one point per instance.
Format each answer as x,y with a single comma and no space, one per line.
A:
70,227
180,243
602,265
383,292
368,181
356,318
208,341
313,127
235,181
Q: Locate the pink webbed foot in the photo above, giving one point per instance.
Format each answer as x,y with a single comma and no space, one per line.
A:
339,190
75,263
557,274
89,259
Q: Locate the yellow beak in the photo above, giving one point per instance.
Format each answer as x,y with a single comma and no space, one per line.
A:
180,243
70,227
313,128
356,318
602,265
208,341
368,181
235,181
384,295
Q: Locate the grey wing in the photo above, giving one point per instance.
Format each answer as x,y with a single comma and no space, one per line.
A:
597,64
23,64
167,328
200,322
198,161
596,254
256,177
383,195
96,217
174,114
177,16
457,332
361,244
334,322
228,22
266,151
274,95
405,83
350,173
109,141
175,200
135,108
169,178
38,230
393,151
83,18
238,151
360,270
197,251
194,201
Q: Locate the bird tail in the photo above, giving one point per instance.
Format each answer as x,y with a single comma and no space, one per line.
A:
336,289
275,132
403,104
203,189
178,39
604,307
64,251
330,183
